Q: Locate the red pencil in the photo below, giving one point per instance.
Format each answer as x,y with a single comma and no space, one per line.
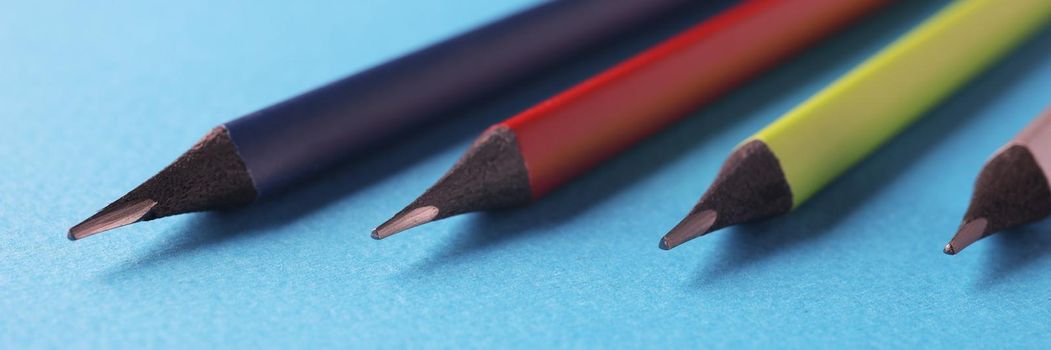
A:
525,157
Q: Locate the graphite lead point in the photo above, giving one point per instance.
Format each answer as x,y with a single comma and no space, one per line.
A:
413,218
111,218
692,226
968,233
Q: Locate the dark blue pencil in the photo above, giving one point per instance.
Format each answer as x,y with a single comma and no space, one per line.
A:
258,154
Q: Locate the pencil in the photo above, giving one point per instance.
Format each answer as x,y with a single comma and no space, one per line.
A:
267,151
523,158
1013,188
779,168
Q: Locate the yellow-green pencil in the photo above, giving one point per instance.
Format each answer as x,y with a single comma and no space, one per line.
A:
780,167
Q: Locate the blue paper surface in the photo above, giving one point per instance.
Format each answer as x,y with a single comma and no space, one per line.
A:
96,99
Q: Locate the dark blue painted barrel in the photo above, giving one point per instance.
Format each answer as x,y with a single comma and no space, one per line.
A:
320,128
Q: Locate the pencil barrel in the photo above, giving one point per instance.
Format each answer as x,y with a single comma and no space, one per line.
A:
306,134
597,119
830,132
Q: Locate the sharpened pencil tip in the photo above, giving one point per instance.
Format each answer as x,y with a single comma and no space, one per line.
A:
402,222
968,233
111,218
692,226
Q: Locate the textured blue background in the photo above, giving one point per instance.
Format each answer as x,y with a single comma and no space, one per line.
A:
96,99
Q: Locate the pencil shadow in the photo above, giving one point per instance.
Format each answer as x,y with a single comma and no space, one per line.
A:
1013,252
751,244
456,129
488,231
